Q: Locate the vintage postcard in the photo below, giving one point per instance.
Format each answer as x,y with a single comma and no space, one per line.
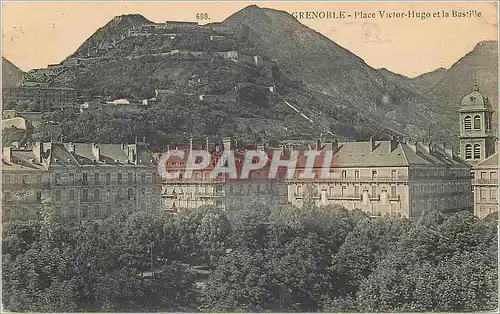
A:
249,156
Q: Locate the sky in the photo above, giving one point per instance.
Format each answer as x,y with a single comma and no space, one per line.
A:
41,33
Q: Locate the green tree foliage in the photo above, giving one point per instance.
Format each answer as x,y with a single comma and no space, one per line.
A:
364,247
259,258
446,264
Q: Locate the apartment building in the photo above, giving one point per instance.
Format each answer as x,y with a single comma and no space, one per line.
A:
222,191
78,181
387,178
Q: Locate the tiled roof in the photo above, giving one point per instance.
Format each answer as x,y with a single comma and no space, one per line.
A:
81,154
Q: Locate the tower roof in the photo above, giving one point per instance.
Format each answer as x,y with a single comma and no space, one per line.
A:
475,100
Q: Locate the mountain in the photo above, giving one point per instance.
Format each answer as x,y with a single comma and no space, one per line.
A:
480,66
11,75
426,81
285,80
332,70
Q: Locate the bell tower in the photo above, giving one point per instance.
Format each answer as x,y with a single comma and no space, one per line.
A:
477,139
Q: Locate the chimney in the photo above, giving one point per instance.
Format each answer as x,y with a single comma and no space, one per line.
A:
227,143
372,143
393,144
168,148
71,147
428,147
37,151
132,153
96,151
450,152
412,146
7,154
190,144
318,143
206,144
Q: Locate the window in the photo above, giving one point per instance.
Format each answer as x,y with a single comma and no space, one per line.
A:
119,179
96,178
493,175
130,193
393,191
108,178
143,178
472,174
468,123
130,177
374,174
493,193
356,191
84,178
477,151
344,188
344,174
393,174
71,177
299,189
84,211
483,175
374,191
97,211
477,122
332,190
7,196
71,195
468,151
356,174
85,195
482,193
97,195
58,195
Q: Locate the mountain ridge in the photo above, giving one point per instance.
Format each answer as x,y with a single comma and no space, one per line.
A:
329,84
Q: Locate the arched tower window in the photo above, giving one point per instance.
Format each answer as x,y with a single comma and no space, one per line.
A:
468,122
477,151
468,151
477,122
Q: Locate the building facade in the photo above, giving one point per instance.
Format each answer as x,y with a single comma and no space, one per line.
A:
388,178
78,181
478,147
485,186
222,191
477,138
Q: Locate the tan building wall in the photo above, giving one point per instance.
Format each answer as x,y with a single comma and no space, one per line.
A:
75,192
485,187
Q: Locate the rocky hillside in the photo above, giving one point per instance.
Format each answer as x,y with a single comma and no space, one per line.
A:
332,70
11,75
480,66
261,70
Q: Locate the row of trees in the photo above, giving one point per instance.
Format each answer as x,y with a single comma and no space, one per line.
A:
257,258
